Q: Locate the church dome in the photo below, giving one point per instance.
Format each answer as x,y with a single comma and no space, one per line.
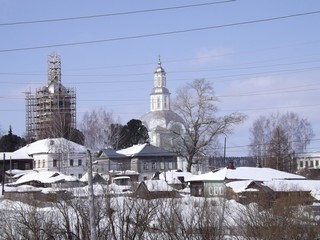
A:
164,119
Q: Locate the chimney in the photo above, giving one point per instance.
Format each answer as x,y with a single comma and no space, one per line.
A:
230,165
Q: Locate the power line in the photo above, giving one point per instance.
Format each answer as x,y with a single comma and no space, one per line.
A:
116,14
161,33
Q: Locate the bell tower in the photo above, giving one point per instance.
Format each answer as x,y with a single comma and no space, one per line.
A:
160,95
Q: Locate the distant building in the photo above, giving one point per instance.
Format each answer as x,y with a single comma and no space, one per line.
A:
51,110
57,154
214,184
310,161
142,159
161,119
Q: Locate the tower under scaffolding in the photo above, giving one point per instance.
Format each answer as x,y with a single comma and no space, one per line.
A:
51,110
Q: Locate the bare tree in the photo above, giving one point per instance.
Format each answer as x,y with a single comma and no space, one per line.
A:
196,103
285,218
94,126
276,139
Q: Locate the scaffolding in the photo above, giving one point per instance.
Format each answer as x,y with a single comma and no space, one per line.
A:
51,110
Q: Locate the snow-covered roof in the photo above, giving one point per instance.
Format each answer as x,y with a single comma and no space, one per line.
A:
51,145
296,185
158,186
245,173
145,150
239,186
84,178
16,173
15,155
44,177
172,176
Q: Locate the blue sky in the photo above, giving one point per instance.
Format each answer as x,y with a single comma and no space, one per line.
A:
257,69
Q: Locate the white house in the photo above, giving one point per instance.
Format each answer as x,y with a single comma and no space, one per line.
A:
57,154
310,161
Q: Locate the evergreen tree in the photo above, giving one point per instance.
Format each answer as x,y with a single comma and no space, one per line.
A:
11,142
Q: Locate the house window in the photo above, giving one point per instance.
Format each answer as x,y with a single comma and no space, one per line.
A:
15,165
158,103
79,162
161,165
43,163
55,163
153,166
39,164
301,164
170,165
210,191
221,192
317,163
145,166
216,191
307,164
27,166
71,162
79,175
311,163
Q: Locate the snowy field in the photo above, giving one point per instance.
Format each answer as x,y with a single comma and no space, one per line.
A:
125,217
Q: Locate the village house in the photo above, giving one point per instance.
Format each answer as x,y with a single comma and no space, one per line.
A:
14,160
216,183
152,189
57,154
139,161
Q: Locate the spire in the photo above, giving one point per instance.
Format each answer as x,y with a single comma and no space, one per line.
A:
160,95
159,61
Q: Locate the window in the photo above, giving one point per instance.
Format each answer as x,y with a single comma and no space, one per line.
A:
27,166
170,165
301,164
216,191
158,103
79,175
39,164
55,163
307,164
79,162
153,166
311,163
145,166
43,163
15,165
71,162
161,165
317,163
210,191
221,192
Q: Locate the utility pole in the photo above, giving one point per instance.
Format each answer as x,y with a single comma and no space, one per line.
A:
3,172
224,151
91,200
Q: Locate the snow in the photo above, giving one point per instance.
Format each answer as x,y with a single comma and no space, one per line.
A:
239,186
296,185
172,176
50,146
245,173
135,149
44,177
158,186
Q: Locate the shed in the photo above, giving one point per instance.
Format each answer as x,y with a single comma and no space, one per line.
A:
151,189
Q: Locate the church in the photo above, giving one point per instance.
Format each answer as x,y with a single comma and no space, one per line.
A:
161,120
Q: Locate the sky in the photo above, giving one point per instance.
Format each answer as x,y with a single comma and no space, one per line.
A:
262,57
